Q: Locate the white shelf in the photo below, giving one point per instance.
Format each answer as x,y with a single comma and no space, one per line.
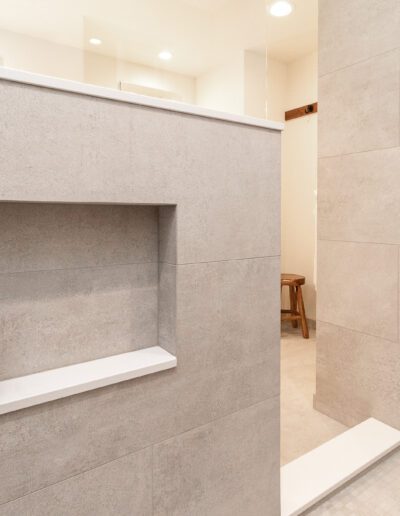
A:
33,389
313,476
35,79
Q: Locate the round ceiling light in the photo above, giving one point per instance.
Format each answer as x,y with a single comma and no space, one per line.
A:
165,55
281,8
95,41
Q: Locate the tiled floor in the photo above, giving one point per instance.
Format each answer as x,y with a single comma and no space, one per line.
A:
377,492
302,427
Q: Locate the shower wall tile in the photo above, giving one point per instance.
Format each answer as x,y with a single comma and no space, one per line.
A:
111,144
348,122
229,315
353,30
358,198
167,307
55,318
122,487
58,236
196,473
215,219
358,376
66,437
224,180
358,287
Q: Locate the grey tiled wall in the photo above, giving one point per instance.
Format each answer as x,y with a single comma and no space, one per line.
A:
358,352
202,438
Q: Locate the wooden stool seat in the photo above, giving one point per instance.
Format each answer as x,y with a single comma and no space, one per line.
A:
296,312
292,279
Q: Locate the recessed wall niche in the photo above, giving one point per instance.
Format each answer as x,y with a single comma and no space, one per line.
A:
84,281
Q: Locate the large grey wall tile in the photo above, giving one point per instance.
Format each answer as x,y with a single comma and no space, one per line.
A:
225,177
228,467
211,225
45,444
32,134
121,488
358,197
167,317
358,287
354,30
358,376
215,220
57,236
347,121
54,318
228,314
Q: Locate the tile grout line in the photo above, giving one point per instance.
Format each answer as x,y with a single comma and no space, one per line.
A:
359,332
270,398
105,266
369,58
394,244
336,156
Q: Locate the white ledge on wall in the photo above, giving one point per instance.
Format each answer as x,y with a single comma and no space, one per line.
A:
33,389
45,81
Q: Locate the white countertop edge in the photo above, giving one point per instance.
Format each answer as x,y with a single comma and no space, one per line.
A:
37,388
35,79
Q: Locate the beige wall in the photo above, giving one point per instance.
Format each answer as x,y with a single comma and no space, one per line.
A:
358,357
289,86
107,71
40,56
236,86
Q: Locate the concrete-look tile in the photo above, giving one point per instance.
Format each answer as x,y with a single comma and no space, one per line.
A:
55,318
358,287
214,168
358,198
41,133
347,124
351,31
167,307
45,444
38,236
105,151
232,164
358,376
167,236
122,487
228,467
228,314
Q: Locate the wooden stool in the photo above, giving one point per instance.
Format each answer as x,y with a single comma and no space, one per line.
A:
296,312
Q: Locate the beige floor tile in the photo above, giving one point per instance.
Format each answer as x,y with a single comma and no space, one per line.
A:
302,427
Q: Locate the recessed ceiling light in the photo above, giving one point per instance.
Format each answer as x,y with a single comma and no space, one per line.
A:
281,8
95,41
165,55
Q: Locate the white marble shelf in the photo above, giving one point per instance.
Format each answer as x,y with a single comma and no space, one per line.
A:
310,478
33,389
10,74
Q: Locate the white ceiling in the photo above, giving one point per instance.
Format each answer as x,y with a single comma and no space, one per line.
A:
296,35
200,33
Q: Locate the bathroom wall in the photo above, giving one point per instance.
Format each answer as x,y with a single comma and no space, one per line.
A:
358,352
202,438
236,86
291,85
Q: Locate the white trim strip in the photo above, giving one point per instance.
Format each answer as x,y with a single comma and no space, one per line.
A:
10,74
33,389
310,478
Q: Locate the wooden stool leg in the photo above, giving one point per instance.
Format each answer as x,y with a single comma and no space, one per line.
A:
300,304
293,305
